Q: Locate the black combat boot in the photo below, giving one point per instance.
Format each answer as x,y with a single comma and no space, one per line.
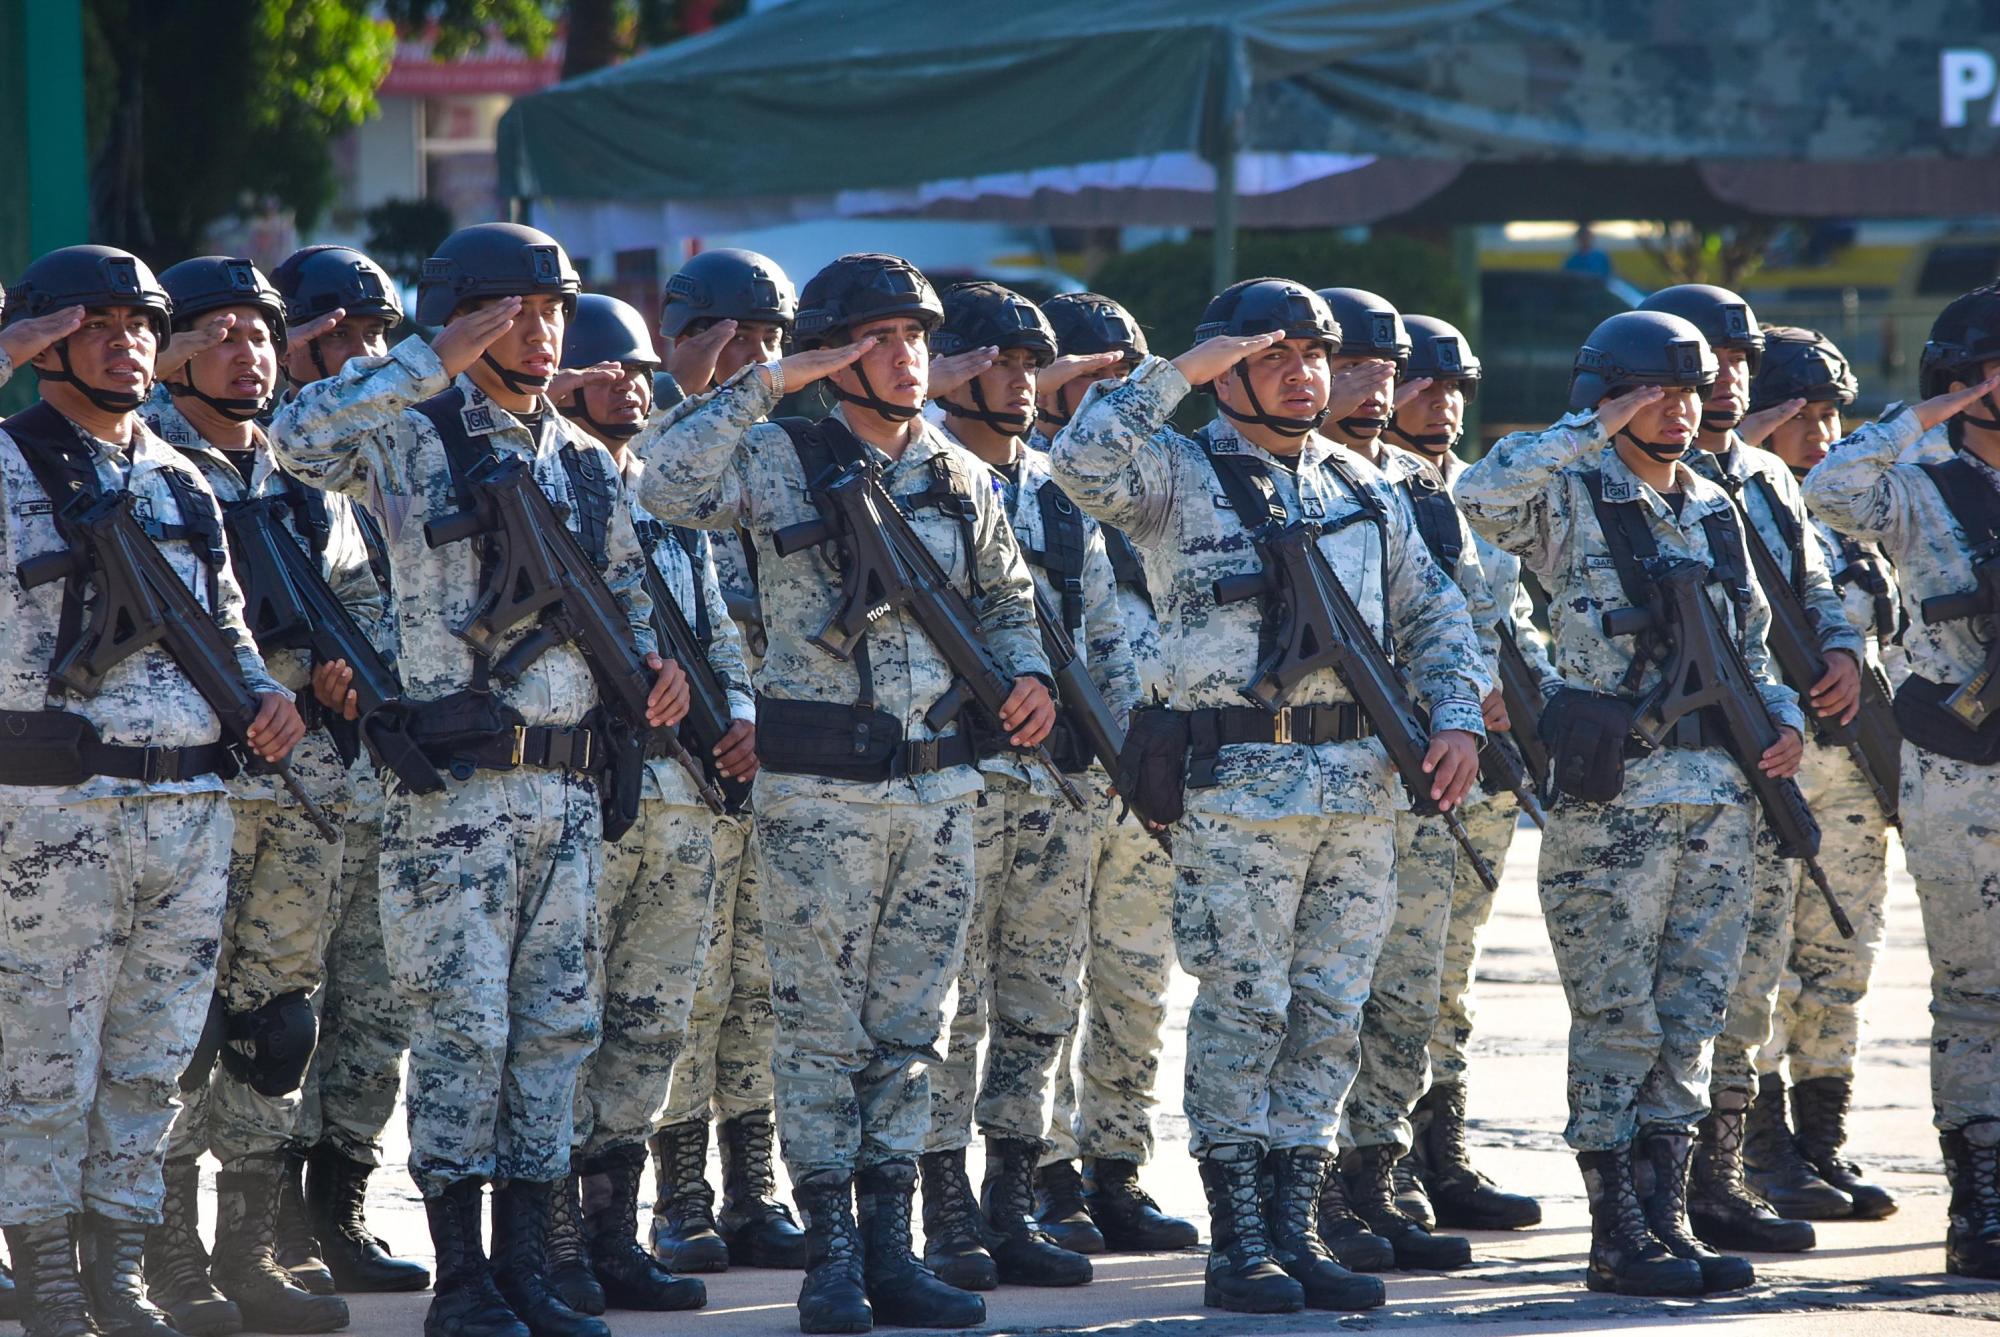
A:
1412,1199
1774,1167
1460,1196
567,1265
1243,1272
684,1235
177,1262
1819,1112
902,1291
1060,1207
1660,1177
113,1256
833,1297
1972,1165
467,1303
1371,1188
336,1201
631,1277
1127,1216
52,1296
1022,1250
1721,1206
1626,1258
245,1267
1347,1237
955,1232
297,1248
523,1214
1296,1176
757,1228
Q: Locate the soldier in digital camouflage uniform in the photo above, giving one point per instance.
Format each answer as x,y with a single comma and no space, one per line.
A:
1111,1063
1646,887
1930,519
865,846
340,304
725,310
656,899
116,835
489,884
1440,379
1815,1024
282,875
1277,912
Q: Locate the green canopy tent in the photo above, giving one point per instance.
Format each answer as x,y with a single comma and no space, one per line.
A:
1275,113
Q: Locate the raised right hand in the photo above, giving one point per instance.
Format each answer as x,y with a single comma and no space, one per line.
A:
1614,413
1953,402
1211,357
26,338
802,369
460,343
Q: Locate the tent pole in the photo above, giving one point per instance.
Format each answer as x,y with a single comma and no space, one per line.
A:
1225,216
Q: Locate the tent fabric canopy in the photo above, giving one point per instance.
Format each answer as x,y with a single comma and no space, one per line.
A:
1051,109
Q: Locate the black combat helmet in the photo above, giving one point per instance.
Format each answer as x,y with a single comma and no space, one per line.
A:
727,284
1088,323
1438,352
318,279
1723,317
1964,338
1266,306
1635,348
986,315
854,290
210,283
1801,364
605,329
89,276
1369,327
494,260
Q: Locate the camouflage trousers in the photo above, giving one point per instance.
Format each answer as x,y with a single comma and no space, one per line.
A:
110,917
283,880
489,921
726,1063
1791,931
1951,835
1111,1062
1279,920
350,1093
1491,823
865,914
1033,857
654,905
1647,909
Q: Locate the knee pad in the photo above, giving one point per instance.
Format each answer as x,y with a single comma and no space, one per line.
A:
269,1048
200,1063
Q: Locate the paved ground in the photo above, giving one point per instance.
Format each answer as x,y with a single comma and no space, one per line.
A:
1865,1278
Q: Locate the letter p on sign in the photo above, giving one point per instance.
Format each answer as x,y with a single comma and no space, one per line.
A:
1965,74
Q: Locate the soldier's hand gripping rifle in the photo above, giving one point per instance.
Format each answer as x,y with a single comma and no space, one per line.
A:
289,606
708,717
540,568
140,602
1319,627
887,568
1705,671
1871,737
1975,699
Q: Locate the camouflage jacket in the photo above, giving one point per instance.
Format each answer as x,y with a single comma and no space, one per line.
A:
688,578
1509,596
1527,495
714,463
1853,565
6,367
1867,488
355,433
1120,461
146,701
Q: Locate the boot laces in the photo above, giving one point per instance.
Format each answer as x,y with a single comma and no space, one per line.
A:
948,1200
349,1219
750,1160
1449,1149
54,1290
1665,1209
1012,1187
1821,1112
1722,1166
1333,1200
684,1175
1064,1185
565,1234
837,1242
1377,1189
1241,1204
1983,1163
1295,1197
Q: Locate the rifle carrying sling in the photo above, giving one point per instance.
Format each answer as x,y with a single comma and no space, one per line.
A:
1920,708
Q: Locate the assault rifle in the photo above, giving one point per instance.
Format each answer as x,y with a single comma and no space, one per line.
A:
289,606
141,601
1319,627
1083,703
1977,697
1521,689
1705,671
538,567
887,567
708,717
1871,737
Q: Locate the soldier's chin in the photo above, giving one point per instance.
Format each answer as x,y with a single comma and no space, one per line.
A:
1720,420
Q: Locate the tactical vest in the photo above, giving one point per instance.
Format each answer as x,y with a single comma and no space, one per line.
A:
1630,541
1437,518
1126,568
1062,550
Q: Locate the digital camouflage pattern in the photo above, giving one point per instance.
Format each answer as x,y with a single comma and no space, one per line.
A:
1491,822
725,1066
1951,809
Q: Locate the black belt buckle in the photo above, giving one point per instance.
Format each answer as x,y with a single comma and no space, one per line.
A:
921,756
159,765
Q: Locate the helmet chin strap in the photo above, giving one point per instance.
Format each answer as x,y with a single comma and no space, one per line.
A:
110,401
517,382
1269,421
617,431
1991,424
236,410
1059,416
1663,452
1365,428
1720,420
873,402
1436,445
1013,424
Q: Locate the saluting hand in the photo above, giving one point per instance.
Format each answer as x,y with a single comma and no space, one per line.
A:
1066,369
460,343
571,380
314,328
190,343
1351,387
802,369
1409,390
1954,402
1757,427
25,338
667,703
949,373
1614,413
692,361
1210,358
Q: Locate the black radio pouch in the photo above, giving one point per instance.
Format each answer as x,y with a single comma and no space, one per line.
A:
1152,770
821,738
1921,714
1586,734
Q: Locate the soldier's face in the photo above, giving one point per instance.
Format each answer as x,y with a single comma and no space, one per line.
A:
1729,398
754,342
1668,420
244,365
624,401
113,350
1803,441
1439,409
1289,377
354,336
898,367
1008,386
530,345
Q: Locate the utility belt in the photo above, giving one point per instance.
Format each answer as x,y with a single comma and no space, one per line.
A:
850,742
56,749
1065,744
1168,752
1589,737
470,731
1926,721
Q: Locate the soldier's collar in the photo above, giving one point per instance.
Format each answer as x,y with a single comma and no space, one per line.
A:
1222,438
482,416
1622,485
